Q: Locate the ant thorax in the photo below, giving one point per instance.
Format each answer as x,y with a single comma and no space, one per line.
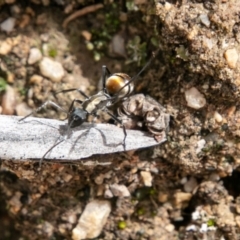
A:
96,102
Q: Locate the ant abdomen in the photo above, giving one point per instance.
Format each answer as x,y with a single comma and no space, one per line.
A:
116,82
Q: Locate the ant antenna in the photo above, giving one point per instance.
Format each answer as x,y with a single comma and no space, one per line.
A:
136,76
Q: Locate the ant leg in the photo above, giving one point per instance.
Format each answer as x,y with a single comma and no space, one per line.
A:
71,90
72,104
68,131
124,129
50,149
105,73
95,117
115,97
41,107
41,160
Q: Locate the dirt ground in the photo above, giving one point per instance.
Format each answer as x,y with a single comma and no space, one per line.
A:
185,188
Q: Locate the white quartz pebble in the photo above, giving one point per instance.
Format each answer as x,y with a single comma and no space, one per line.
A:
194,98
51,69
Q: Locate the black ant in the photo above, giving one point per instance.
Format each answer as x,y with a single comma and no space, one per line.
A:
115,88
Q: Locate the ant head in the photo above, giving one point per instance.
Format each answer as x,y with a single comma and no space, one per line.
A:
117,82
77,117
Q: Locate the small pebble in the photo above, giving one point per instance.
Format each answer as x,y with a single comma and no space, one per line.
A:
108,193
170,227
44,37
168,6
15,10
190,185
214,177
68,9
41,19
203,228
68,64
237,205
35,55
123,16
45,2
200,145
69,216
22,109
67,177
231,56
6,46
9,101
231,111
196,215
162,197
10,1
191,228
36,79
8,25
237,218
205,20
192,33
87,35
100,191
147,178
205,86
10,77
99,179
194,98
15,202
183,180
118,46
207,42
92,220
119,190
181,199
218,117
30,11
47,229
51,69
25,20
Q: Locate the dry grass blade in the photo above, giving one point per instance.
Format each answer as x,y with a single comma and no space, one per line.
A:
33,137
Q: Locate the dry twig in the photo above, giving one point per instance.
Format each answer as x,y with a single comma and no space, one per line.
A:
81,12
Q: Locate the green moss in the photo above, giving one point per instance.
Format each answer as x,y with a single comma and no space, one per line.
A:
52,52
102,35
122,224
3,84
22,91
130,5
140,211
96,56
182,53
152,191
211,223
144,192
137,51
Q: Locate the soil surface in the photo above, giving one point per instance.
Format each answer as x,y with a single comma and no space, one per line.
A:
185,188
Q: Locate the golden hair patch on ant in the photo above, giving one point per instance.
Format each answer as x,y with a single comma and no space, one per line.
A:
117,81
114,83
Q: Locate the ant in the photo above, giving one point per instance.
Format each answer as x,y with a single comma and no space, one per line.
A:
115,88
